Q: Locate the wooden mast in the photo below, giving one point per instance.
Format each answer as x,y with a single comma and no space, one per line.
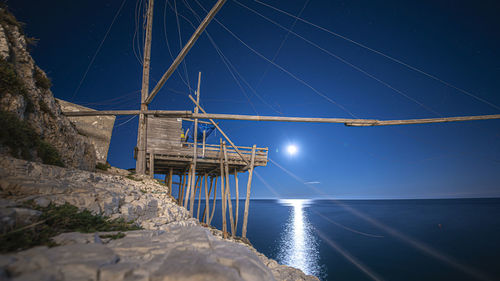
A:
195,146
140,164
247,200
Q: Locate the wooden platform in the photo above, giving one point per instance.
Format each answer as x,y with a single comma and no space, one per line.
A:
208,159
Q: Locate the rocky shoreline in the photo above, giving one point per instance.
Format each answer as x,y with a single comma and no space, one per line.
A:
171,246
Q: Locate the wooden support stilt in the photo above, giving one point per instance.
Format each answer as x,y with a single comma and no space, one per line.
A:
181,188
228,192
213,205
195,147
200,187
190,182
204,136
247,200
223,193
237,202
170,175
152,164
207,198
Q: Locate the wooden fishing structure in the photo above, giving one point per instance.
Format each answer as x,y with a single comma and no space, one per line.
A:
202,166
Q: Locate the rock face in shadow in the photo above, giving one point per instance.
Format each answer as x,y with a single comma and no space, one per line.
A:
25,92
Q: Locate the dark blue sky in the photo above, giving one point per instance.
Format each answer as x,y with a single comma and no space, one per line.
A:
457,41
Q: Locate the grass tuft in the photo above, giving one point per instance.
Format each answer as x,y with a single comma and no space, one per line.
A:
22,140
41,80
57,220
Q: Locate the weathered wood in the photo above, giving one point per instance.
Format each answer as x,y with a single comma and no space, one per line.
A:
140,165
151,164
213,205
195,147
181,188
190,182
237,202
223,193
186,49
164,113
228,191
170,175
200,187
207,198
247,200
220,130
204,136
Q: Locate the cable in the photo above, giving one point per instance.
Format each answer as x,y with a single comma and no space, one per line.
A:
98,49
281,68
180,44
382,54
282,44
343,60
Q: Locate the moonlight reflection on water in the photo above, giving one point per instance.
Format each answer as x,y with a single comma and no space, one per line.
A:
298,246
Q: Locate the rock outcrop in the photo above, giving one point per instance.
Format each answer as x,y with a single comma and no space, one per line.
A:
25,92
173,245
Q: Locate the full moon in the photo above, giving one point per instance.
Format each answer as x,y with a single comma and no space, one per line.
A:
291,149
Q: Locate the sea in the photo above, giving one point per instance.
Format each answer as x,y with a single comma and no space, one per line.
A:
436,239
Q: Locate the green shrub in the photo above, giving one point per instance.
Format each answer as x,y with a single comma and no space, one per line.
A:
21,139
103,166
41,80
59,219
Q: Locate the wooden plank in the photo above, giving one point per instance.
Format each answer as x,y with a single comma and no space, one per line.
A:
247,200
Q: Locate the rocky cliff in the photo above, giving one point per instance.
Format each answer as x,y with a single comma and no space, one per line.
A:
171,246
36,129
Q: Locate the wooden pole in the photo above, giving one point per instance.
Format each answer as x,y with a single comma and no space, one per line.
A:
228,192
223,193
186,49
213,205
140,164
247,200
195,148
151,164
200,187
190,182
204,136
170,175
181,188
207,198
237,202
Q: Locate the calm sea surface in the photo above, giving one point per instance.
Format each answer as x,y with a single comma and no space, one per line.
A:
453,239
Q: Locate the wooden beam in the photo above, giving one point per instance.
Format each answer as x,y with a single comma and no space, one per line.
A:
167,113
247,200
140,164
207,198
186,49
200,186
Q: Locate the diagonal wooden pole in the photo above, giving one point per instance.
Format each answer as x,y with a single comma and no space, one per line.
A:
186,49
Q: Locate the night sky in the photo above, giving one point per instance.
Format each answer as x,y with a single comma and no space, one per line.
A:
456,41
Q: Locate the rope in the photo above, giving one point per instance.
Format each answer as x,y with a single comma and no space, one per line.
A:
168,44
98,49
180,44
282,43
382,54
343,60
281,68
